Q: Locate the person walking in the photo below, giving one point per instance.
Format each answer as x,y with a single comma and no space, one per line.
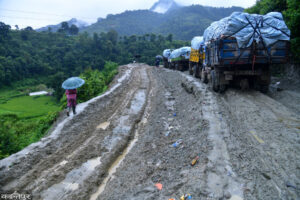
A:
70,86
71,100
157,60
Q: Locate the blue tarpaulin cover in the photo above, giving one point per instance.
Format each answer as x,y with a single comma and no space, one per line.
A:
246,28
196,42
167,53
183,51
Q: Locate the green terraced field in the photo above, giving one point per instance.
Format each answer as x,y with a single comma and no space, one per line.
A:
29,106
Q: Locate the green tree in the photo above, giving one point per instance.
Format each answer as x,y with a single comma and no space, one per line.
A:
73,30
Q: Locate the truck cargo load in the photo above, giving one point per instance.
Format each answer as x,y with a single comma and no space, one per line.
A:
240,49
166,55
247,28
179,58
197,55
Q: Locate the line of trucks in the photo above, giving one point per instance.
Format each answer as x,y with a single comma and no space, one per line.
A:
238,50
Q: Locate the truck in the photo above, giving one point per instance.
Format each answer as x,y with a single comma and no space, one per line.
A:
166,55
179,59
226,64
244,59
197,56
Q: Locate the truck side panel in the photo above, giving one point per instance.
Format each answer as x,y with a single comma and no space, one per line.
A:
226,52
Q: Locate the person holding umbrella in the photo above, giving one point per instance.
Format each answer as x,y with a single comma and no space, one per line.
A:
70,86
157,60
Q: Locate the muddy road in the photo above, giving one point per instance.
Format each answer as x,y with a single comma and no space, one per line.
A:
147,128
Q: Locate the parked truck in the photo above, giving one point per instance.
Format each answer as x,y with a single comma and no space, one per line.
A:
240,50
179,59
166,55
197,56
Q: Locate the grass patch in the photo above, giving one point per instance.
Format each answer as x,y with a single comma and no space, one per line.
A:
24,119
29,106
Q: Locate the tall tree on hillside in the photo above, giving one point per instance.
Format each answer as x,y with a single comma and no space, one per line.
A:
73,30
4,31
64,28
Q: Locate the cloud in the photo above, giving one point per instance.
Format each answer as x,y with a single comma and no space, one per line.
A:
38,13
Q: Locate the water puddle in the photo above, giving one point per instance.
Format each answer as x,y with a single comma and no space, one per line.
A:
103,125
115,165
138,102
72,181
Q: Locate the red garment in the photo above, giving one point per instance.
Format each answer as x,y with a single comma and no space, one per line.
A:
71,97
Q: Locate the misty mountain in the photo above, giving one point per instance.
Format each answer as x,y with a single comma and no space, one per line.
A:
182,22
80,24
163,6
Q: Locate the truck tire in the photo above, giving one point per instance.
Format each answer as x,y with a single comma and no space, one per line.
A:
223,88
180,67
177,66
190,69
214,81
204,78
264,88
196,71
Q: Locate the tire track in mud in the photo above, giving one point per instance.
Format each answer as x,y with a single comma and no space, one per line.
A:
221,179
84,155
266,149
176,115
113,168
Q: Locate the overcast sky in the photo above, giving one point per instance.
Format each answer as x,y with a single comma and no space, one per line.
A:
38,13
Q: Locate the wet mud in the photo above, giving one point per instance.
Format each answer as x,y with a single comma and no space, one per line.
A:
148,128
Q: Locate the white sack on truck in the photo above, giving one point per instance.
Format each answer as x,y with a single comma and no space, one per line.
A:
167,53
183,51
246,28
196,42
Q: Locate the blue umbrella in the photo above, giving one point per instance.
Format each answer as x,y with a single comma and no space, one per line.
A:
159,57
72,83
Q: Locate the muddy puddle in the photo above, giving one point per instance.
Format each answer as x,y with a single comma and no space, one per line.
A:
72,181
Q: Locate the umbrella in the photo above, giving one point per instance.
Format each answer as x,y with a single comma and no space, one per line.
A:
72,83
159,57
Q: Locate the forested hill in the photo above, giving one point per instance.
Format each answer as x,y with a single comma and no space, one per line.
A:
183,23
28,54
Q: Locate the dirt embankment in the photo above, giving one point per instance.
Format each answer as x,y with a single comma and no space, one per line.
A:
148,128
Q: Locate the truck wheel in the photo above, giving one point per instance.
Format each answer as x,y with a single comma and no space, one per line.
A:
214,81
180,67
177,66
196,71
204,78
244,84
223,88
264,88
190,69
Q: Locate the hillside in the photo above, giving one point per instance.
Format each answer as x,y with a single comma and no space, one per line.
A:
54,28
128,23
183,22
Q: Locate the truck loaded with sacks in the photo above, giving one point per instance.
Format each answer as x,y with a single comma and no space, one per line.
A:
240,50
177,59
197,56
